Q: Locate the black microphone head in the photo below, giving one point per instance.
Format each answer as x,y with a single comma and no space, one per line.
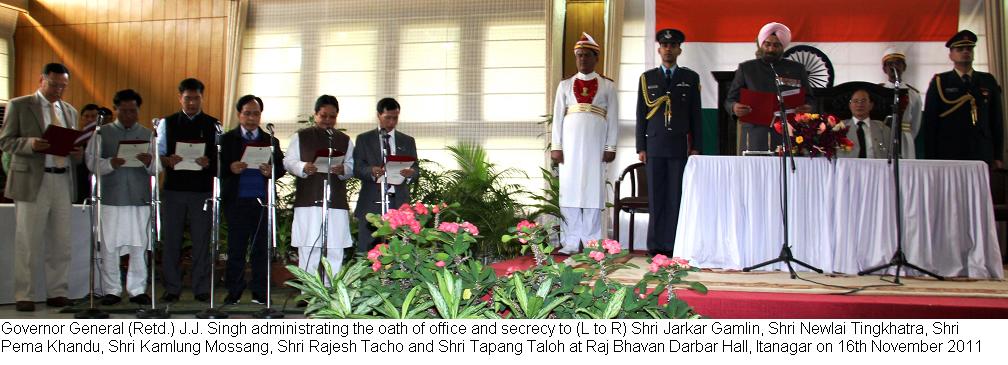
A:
269,127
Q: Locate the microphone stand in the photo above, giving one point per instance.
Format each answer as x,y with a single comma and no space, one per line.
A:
154,229
385,196
269,312
214,201
898,259
785,254
326,195
96,233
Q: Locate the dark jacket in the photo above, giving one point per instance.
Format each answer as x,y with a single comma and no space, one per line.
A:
232,149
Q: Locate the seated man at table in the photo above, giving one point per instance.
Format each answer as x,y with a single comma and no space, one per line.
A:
871,137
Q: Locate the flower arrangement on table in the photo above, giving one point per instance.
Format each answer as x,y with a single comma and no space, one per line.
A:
816,135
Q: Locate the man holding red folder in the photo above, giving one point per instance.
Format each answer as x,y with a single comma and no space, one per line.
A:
758,76
41,186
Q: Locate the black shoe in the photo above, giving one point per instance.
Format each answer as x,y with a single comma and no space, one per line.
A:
141,299
258,298
202,297
58,302
169,298
232,298
25,306
110,299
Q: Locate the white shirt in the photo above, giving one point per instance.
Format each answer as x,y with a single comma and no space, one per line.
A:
292,160
47,120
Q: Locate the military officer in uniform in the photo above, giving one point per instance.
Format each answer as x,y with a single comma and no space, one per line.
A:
668,131
893,63
963,119
759,75
585,123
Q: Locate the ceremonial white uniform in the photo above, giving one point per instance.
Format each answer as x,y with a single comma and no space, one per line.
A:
306,233
911,119
124,228
583,130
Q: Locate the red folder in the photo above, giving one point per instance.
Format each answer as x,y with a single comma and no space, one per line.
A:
321,152
61,140
764,105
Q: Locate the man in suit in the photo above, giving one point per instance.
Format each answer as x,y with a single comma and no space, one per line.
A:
244,191
963,116
368,167
186,191
871,137
41,186
758,75
585,129
668,118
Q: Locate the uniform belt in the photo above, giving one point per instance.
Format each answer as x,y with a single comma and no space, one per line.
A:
55,170
586,108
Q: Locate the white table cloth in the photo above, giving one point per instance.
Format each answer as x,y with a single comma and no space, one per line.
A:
841,214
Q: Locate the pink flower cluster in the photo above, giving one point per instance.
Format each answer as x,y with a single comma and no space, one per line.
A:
524,230
452,227
597,255
402,217
612,246
660,261
375,255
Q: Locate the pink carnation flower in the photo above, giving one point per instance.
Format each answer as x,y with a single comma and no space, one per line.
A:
597,255
439,264
612,246
661,260
591,244
375,266
525,224
420,208
654,267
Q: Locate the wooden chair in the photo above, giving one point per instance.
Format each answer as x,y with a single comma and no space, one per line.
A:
637,202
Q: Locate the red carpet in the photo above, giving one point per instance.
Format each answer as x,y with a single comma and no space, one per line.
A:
753,305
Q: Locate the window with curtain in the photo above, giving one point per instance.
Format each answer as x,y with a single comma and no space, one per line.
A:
463,71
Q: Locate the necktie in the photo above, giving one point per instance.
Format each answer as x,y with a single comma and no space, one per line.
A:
668,78
862,148
59,161
967,80
249,137
385,145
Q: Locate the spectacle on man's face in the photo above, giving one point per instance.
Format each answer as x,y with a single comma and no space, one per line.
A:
250,115
53,84
861,104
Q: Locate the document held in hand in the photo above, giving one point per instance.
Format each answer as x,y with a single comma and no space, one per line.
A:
764,104
61,140
128,150
256,155
397,163
189,151
322,159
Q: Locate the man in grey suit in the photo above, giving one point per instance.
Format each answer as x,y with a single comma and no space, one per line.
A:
871,137
43,220
369,166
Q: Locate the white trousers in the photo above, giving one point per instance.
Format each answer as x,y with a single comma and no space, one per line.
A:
579,226
43,229
308,259
136,274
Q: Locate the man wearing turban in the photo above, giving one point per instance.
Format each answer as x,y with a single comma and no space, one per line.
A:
759,75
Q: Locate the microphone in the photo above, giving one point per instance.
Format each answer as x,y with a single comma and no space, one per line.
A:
776,75
896,74
329,132
269,127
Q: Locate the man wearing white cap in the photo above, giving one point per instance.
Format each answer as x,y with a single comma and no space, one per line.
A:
758,75
910,104
584,139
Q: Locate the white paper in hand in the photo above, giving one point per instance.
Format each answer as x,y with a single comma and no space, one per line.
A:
189,153
128,150
256,156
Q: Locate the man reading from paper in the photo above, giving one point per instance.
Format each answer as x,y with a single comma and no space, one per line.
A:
758,75
585,123
125,198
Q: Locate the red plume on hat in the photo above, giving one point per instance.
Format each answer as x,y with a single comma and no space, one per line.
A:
587,42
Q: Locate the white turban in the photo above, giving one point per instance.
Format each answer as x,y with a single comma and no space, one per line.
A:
780,30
